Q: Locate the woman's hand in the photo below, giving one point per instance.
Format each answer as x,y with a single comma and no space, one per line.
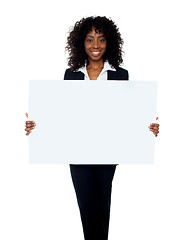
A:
29,125
154,127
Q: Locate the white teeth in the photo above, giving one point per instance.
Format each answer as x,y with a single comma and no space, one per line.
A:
95,52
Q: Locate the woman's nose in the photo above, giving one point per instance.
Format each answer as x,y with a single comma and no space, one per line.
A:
95,44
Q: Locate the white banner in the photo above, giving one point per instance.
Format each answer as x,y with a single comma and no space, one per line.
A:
92,122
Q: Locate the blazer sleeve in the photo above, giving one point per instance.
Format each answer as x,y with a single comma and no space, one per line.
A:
122,74
119,74
67,74
70,75
126,74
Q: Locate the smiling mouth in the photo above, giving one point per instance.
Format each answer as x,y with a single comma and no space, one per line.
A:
95,53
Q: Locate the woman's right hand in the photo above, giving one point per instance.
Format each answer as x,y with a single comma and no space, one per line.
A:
29,125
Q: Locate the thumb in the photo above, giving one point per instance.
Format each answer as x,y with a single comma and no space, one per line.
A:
26,115
157,118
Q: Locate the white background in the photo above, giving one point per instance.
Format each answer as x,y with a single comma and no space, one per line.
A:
38,201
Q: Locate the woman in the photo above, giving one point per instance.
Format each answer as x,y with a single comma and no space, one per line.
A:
95,53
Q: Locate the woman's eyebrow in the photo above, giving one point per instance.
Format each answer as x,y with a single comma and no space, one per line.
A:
90,36
93,36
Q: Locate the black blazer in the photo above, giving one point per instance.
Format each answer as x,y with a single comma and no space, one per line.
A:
119,74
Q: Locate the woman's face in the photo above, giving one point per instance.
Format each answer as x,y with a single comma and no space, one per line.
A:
95,45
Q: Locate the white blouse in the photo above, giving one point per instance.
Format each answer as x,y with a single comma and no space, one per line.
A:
102,75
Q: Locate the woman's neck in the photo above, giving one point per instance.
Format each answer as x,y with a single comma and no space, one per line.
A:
94,69
95,65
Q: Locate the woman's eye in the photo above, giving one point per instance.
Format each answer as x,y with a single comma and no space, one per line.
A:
89,40
102,40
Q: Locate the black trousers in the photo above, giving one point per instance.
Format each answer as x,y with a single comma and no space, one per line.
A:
93,185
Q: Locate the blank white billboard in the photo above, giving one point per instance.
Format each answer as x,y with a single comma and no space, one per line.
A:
92,122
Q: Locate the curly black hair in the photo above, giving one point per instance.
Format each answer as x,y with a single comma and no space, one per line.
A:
75,41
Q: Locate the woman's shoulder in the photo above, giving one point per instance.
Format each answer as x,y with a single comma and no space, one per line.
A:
119,74
121,70
68,73
73,75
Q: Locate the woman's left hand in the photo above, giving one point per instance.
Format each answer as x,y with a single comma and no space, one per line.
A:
154,127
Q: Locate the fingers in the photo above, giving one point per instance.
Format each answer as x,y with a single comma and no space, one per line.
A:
154,127
28,133
29,128
155,132
30,125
